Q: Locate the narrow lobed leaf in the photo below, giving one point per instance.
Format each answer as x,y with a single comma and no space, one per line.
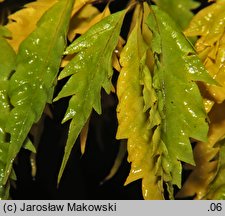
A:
32,85
90,72
205,154
177,68
209,25
206,177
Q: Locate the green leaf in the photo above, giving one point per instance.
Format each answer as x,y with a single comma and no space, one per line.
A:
180,104
7,65
23,21
4,32
91,69
28,145
32,85
179,10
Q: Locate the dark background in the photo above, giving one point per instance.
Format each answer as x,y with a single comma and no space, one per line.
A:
83,174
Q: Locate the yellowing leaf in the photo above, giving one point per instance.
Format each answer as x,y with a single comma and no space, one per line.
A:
205,157
209,25
84,19
118,161
24,21
83,136
80,4
132,118
32,85
177,67
217,187
90,72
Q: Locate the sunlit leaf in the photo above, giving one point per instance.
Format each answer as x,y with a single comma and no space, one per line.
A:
90,72
177,67
32,85
209,25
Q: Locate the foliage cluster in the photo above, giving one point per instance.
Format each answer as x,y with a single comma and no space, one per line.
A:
170,87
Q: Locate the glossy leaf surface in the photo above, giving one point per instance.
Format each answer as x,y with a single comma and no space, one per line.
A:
7,65
209,25
23,22
90,72
206,181
32,85
205,154
179,10
132,116
177,67
83,20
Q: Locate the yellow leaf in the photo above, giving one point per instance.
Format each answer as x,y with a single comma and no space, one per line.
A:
116,54
205,156
66,60
118,161
80,4
209,24
84,19
23,22
133,121
83,136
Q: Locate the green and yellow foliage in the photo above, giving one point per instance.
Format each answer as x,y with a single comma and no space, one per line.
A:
170,91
